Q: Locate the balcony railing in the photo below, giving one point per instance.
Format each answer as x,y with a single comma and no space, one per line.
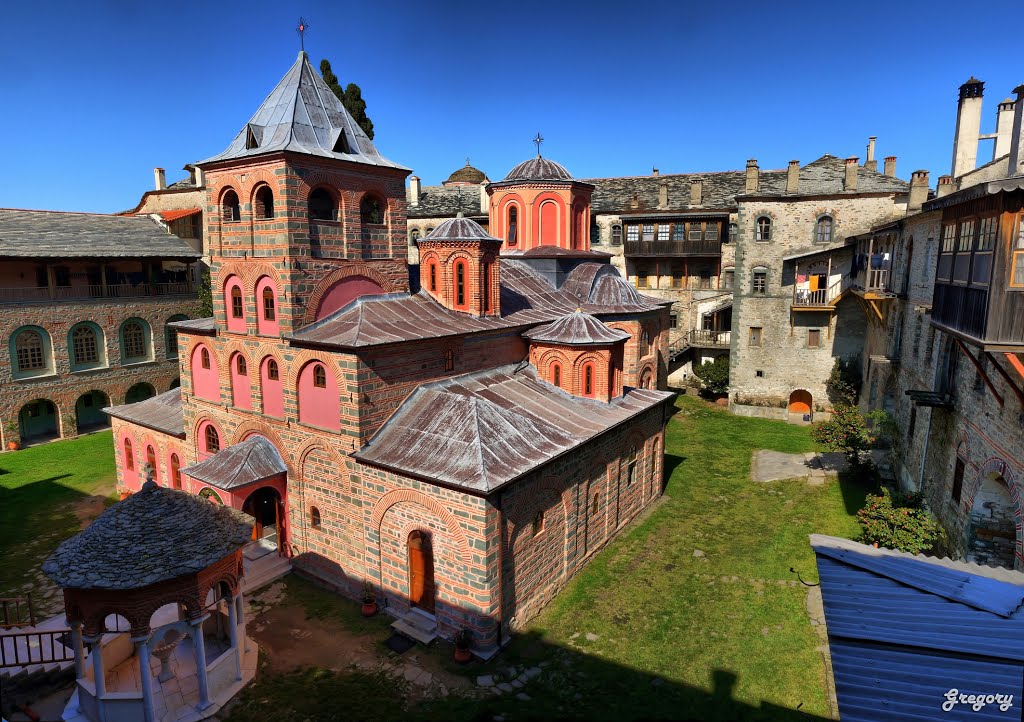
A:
820,298
874,280
93,291
673,248
709,339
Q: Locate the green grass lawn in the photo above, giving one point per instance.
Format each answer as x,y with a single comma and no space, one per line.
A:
721,635
39,488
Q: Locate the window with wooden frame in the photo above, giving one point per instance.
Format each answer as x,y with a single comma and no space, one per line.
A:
133,337
513,225
84,347
595,505
728,278
1017,255
813,338
237,309
204,358
269,312
460,283
648,234
432,268
449,360
755,336
319,377
616,235
273,373
631,462
823,230
759,282
588,379
945,268
965,244
538,522
711,231
677,276
673,321
30,350
981,266
679,231
129,457
556,374
663,231
632,232
485,289
243,369
212,439
641,276
696,231
763,229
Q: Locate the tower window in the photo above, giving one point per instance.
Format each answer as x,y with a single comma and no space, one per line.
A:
212,439
204,358
588,380
433,277
371,210
556,374
460,283
268,305
230,210
242,368
759,283
319,377
263,203
314,517
272,371
320,205
237,310
513,222
486,290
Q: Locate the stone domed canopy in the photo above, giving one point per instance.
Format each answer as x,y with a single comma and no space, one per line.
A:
539,169
459,229
576,329
467,174
152,536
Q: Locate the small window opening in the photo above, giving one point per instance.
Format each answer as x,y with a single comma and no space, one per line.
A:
204,358
268,305
319,377
272,372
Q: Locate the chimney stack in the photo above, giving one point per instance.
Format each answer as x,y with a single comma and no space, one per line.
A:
200,177
696,193
850,180
1004,128
890,166
870,163
414,191
654,172
751,186
485,201
918,191
968,127
160,179
793,177
946,186
1016,166
663,194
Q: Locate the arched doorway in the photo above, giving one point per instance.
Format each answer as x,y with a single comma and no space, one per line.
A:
89,414
139,392
646,379
991,527
37,421
800,402
421,571
264,505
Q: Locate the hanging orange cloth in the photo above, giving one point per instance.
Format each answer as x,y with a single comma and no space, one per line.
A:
814,282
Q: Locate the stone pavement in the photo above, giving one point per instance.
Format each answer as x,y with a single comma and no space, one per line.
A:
813,467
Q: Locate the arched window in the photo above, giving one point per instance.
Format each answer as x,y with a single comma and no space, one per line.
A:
212,439
371,210
319,377
175,471
31,350
433,276
269,313
129,457
596,504
460,283
556,374
631,466
320,205
485,290
242,368
617,235
204,358
449,360
538,522
237,306
414,236
314,517
171,335
823,230
86,349
645,343
588,379
272,371
134,346
151,462
263,203
513,224
763,229
230,210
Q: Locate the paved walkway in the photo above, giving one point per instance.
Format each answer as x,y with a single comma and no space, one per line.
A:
813,467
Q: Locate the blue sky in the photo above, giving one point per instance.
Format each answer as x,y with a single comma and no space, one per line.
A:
96,94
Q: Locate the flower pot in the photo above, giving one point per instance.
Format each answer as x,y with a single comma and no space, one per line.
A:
463,655
369,608
125,494
13,445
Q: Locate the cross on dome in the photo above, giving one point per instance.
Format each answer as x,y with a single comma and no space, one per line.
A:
538,140
301,30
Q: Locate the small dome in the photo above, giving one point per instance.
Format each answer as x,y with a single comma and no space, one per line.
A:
467,174
537,169
576,329
459,229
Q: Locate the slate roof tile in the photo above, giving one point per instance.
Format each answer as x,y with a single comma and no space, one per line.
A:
160,413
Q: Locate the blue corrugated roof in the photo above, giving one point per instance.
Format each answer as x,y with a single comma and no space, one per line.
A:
904,630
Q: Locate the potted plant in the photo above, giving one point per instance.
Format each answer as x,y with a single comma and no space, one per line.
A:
123,492
13,435
462,653
369,601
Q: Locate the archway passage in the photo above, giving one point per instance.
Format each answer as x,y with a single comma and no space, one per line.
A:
800,402
89,414
139,392
37,421
991,528
264,505
421,571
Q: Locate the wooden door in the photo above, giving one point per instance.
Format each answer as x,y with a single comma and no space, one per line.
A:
421,572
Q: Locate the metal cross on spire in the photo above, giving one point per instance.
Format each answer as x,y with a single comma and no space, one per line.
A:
301,30
538,140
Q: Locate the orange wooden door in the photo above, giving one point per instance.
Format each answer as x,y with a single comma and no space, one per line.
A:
421,572
800,402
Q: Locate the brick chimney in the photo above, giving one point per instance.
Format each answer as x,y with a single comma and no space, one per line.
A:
1017,134
696,193
918,191
869,162
946,186
890,166
751,186
414,191
159,179
663,194
793,177
484,200
850,179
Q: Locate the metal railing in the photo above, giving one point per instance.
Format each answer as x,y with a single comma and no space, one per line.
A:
21,649
92,291
17,612
705,337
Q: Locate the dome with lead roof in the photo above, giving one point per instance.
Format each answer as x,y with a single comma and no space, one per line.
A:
539,169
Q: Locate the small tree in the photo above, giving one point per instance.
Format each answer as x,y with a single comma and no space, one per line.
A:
898,521
843,383
204,294
351,97
847,431
714,376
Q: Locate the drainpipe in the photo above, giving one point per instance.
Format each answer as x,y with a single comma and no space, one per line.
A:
501,566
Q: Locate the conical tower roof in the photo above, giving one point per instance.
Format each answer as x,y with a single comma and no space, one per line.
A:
302,115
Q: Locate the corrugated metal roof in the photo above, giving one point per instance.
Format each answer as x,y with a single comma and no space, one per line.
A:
246,462
905,629
60,234
160,413
482,430
302,115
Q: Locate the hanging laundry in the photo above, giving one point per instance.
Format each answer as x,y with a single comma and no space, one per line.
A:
801,278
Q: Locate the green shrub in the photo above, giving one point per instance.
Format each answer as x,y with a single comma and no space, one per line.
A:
843,383
847,431
714,376
898,521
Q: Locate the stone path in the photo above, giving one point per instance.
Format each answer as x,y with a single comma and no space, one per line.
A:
813,467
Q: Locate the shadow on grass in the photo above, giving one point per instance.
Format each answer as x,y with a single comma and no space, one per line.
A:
855,485
671,462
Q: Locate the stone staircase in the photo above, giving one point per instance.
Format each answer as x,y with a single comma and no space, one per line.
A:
417,624
263,565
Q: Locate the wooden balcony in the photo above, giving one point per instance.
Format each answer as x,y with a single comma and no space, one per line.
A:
94,292
706,338
655,249
822,299
874,284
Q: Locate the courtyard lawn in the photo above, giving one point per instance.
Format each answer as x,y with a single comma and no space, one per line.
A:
47,492
691,614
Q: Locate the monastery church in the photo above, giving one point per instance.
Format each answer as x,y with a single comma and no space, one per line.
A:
461,435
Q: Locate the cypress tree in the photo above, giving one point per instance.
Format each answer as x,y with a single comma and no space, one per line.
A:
351,97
